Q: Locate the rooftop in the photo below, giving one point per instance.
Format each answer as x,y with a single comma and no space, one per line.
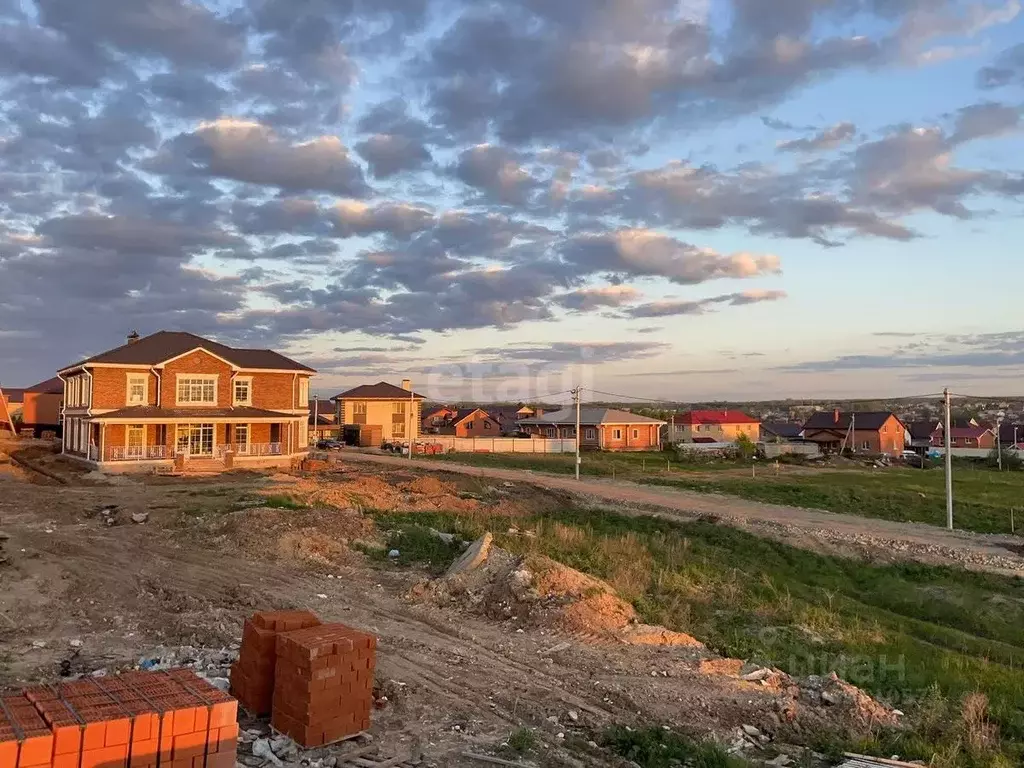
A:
379,391
591,417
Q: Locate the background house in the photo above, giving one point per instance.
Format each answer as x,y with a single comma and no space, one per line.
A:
965,437
41,408
875,432
781,431
434,418
323,423
395,411
711,427
472,422
602,428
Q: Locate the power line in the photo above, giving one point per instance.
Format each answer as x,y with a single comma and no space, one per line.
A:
632,398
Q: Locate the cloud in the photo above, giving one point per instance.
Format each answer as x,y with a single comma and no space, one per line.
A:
588,299
984,120
700,306
1008,69
251,152
643,253
401,220
573,352
496,172
388,154
830,138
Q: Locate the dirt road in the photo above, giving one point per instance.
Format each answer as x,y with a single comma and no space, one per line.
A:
808,528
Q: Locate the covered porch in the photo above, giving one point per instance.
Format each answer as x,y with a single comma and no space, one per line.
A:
122,440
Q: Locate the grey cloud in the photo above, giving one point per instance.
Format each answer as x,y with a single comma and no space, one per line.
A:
830,138
700,306
250,152
573,352
643,253
589,299
984,120
90,232
497,172
400,220
292,215
26,49
184,33
1008,69
187,94
389,154
782,125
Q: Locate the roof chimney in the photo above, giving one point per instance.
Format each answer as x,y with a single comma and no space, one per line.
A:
835,415
133,337
407,385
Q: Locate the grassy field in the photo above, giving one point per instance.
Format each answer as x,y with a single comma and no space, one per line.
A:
922,638
983,498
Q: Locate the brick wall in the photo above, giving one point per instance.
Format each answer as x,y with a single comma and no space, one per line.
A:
478,425
41,408
196,363
274,391
641,437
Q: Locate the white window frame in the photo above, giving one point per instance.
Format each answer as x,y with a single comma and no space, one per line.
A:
303,436
197,377
552,431
134,378
234,390
243,447
127,437
303,393
866,445
617,434
591,433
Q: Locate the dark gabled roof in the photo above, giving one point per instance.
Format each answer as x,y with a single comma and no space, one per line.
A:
464,413
164,345
52,386
14,396
867,420
923,430
590,416
379,391
788,429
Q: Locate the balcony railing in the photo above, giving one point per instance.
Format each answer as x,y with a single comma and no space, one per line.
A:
250,449
137,453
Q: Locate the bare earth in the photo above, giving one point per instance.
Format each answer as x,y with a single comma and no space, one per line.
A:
210,554
808,528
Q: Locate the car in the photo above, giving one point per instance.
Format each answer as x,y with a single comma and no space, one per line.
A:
329,445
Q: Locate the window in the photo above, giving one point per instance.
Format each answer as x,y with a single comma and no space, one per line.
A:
591,433
552,432
138,388
195,439
135,442
197,390
303,393
303,436
397,408
359,412
242,439
866,445
243,391
469,425
636,434
616,434
398,429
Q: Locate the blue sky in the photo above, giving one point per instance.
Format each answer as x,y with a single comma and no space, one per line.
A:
680,199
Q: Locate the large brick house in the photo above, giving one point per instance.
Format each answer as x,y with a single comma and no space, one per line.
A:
712,427
175,399
603,428
871,432
472,422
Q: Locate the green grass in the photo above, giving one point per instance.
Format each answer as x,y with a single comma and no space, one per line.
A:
418,545
908,633
982,497
521,741
657,748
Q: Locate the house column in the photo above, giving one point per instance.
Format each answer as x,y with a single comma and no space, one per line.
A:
103,442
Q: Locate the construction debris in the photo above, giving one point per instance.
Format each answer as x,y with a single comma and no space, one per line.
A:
473,557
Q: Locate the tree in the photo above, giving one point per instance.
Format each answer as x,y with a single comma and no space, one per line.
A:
745,447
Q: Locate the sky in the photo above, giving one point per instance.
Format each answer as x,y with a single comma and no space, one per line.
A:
504,199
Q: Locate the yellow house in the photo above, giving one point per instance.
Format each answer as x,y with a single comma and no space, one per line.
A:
712,427
395,410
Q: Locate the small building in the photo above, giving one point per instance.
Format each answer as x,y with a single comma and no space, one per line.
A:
322,421
435,418
781,431
604,429
177,399
394,410
965,437
922,434
872,432
712,427
41,408
472,422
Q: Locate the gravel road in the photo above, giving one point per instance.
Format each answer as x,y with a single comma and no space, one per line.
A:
808,528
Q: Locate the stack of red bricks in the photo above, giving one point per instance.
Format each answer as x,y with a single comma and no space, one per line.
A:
322,678
252,677
135,720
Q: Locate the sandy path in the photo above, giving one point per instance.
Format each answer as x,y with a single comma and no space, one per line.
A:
807,528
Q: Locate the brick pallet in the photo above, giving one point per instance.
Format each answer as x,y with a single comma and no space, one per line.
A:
323,689
252,676
135,720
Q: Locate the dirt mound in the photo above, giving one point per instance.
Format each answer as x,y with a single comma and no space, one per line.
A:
351,490
429,486
542,592
321,536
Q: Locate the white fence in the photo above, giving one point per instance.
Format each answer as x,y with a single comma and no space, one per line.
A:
968,453
449,443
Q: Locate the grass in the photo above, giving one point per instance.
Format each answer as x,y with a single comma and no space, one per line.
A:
982,497
521,741
418,545
908,633
282,502
657,748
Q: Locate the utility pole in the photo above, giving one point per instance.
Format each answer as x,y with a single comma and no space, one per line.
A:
412,413
576,396
999,443
949,462
316,418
